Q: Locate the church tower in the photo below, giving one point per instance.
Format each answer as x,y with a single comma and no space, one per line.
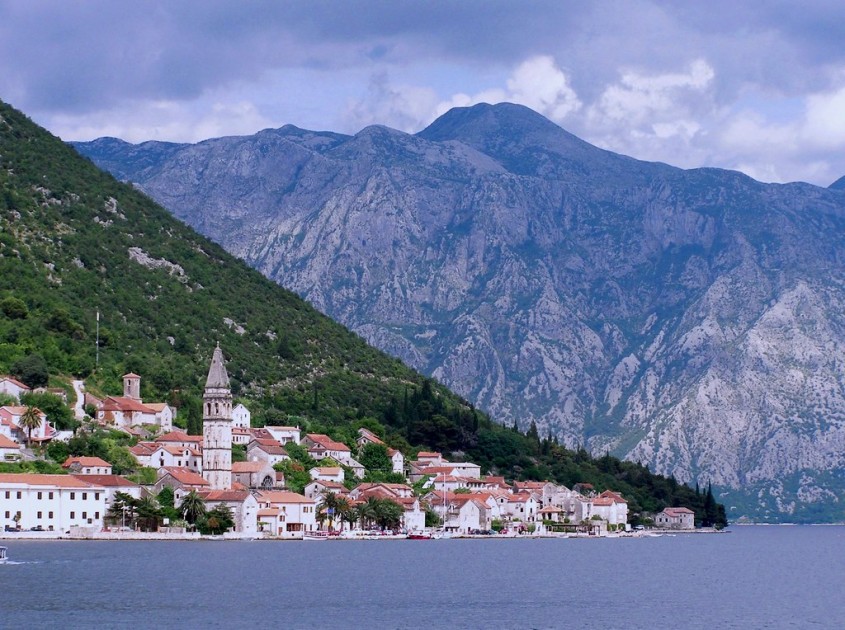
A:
132,386
217,425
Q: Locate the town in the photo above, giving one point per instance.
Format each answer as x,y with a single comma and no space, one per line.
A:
197,477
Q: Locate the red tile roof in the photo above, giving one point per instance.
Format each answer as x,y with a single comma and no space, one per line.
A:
86,462
179,436
15,382
110,481
281,496
35,479
7,443
121,403
225,495
186,476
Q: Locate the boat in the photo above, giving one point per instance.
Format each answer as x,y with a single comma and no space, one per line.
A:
317,535
419,536
3,555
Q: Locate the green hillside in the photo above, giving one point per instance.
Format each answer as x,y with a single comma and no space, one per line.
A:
74,241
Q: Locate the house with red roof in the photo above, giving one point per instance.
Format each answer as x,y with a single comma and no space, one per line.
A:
10,426
266,449
180,480
675,518
10,451
316,488
87,466
321,446
365,436
611,507
285,514
112,484
129,410
327,473
13,387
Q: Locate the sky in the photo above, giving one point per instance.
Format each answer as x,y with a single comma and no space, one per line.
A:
753,86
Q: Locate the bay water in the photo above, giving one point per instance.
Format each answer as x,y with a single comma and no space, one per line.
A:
750,577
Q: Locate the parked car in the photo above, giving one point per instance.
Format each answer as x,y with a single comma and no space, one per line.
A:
12,528
37,528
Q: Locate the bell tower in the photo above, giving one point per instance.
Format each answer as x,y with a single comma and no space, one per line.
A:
132,386
217,425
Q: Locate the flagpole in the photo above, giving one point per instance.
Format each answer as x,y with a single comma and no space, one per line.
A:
97,360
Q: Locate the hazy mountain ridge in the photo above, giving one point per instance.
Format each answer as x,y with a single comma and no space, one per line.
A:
689,319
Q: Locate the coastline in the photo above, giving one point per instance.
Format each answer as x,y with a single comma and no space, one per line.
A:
235,536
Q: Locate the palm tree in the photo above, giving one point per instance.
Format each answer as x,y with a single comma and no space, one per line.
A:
342,510
328,508
30,419
368,511
192,507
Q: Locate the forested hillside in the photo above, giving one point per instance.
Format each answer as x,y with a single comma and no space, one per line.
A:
75,242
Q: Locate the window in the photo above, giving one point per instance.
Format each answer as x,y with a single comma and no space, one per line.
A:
72,496
96,496
73,515
96,515
49,515
19,494
8,494
39,515
85,515
7,513
39,496
84,497
50,495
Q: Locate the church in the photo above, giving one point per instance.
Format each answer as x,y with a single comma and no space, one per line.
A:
217,450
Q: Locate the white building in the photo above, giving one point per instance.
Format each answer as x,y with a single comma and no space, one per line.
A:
284,435
611,507
327,473
112,484
129,410
241,417
87,466
286,514
10,425
13,387
53,502
243,505
10,451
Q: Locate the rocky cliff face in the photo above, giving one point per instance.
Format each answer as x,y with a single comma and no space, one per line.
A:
693,320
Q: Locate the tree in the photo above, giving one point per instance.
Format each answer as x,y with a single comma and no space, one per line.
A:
217,521
13,308
32,371
192,507
30,419
122,509
374,458
328,509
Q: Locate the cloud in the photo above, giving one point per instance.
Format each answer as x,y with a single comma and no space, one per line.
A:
172,121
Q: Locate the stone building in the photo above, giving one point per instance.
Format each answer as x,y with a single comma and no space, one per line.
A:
217,425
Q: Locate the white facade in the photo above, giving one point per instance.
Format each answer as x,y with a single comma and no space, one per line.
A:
283,435
286,514
243,505
241,417
53,502
12,387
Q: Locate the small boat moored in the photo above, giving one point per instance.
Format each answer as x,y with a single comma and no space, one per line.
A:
3,555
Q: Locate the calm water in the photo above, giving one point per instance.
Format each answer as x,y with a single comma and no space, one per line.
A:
753,577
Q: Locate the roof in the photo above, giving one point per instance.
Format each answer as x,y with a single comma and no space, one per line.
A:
328,470
86,462
15,382
110,481
185,476
677,511
17,410
268,512
217,376
157,407
130,375
35,479
428,454
248,467
282,496
179,436
122,403
326,442
225,495
7,443
327,484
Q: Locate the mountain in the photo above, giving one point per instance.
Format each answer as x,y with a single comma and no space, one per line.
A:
691,320
77,246
839,184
